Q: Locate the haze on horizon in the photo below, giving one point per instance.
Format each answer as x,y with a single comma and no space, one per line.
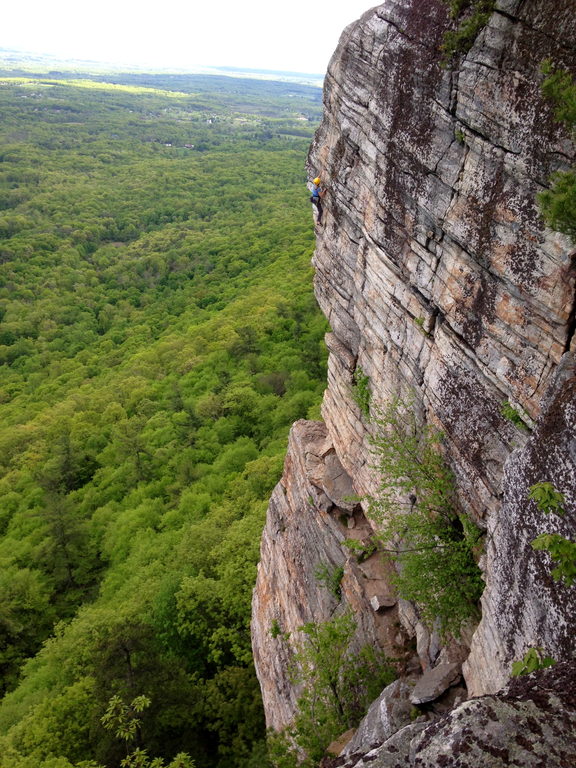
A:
298,37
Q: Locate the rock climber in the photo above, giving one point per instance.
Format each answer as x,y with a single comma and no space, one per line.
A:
318,193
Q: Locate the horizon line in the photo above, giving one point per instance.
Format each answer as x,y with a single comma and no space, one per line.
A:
153,68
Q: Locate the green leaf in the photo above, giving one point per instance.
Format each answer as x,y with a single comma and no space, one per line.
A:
547,498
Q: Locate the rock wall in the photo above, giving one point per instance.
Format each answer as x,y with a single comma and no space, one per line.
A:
442,284
522,605
309,517
530,724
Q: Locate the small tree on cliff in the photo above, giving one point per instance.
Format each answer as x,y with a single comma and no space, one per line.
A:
416,509
337,684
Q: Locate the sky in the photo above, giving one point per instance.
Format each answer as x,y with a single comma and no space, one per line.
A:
295,35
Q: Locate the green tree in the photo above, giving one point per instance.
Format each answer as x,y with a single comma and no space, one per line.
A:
25,616
124,721
148,297
421,525
337,684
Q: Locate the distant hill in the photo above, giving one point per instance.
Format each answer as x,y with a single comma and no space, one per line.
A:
25,62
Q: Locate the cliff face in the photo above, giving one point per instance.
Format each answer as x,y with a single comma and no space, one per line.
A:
441,283
309,517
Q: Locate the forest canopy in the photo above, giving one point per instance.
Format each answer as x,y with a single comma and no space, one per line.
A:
158,336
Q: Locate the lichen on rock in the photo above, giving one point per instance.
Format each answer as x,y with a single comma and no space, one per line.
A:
441,283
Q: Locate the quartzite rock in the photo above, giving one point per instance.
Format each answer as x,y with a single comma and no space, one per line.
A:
433,266
443,286
523,606
302,536
434,682
441,282
393,753
530,725
390,712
